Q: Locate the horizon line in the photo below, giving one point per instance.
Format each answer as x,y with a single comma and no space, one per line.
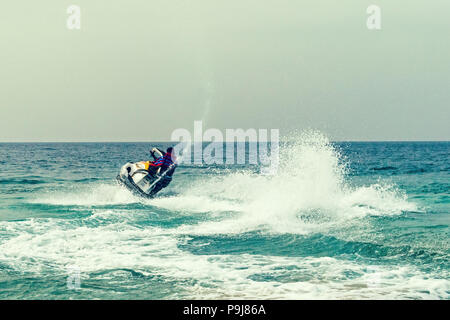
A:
224,141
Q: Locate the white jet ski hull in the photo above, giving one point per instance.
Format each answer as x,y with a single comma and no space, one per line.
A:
139,181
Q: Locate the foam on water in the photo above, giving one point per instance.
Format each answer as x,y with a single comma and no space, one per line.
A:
153,251
89,195
193,204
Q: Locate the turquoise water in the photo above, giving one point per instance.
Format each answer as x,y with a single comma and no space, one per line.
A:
337,221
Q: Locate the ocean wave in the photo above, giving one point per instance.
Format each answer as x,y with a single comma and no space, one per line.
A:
47,246
88,195
383,168
22,181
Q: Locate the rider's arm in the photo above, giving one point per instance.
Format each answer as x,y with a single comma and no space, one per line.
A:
158,152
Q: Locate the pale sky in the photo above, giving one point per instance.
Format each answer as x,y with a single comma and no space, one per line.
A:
137,70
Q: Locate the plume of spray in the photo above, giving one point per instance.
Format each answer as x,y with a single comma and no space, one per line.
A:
310,177
310,190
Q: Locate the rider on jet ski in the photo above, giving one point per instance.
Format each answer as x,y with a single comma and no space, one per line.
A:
146,178
164,165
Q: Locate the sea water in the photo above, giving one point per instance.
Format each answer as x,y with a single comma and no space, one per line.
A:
348,220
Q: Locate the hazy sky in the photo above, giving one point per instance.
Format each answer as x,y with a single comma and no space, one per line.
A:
137,70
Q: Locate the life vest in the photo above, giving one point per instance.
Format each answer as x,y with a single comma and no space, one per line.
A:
164,161
168,160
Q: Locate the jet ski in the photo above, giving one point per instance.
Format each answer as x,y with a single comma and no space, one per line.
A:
136,177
